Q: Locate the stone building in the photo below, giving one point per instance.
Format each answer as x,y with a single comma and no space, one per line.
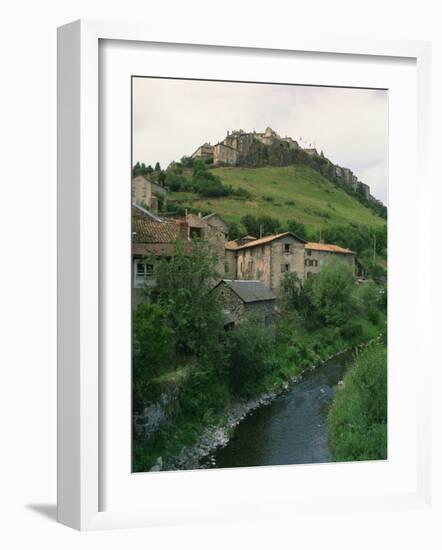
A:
148,193
240,148
270,258
225,155
267,259
152,235
212,229
205,151
243,299
318,255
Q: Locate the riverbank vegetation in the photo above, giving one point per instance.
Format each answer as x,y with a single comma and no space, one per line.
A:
357,420
180,346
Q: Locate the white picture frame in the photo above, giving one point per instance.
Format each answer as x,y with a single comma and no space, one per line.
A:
80,438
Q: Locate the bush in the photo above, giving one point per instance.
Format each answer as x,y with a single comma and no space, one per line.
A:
357,420
153,348
249,349
331,293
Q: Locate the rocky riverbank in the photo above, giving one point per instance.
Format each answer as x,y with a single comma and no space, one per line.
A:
218,436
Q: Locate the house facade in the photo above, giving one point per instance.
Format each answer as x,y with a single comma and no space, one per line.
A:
152,236
268,259
149,193
318,255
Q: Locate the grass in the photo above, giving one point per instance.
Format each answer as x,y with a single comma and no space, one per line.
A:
292,192
357,420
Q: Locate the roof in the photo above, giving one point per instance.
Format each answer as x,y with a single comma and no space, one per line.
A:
147,228
322,247
213,215
231,245
249,291
270,238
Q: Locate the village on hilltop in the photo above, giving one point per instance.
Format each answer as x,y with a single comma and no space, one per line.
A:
241,148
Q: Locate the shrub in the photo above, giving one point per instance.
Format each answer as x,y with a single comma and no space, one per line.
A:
357,420
153,348
249,348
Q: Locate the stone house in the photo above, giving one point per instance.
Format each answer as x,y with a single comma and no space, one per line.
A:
212,229
318,255
204,151
243,299
152,235
267,259
149,193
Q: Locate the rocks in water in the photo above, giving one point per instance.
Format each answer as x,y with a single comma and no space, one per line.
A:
158,466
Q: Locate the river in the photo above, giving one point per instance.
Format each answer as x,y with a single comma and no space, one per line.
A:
291,429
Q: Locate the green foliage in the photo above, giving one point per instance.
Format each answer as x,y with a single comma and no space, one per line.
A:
297,228
235,231
299,184
140,169
153,348
157,167
182,290
357,420
249,348
262,224
332,293
161,177
291,293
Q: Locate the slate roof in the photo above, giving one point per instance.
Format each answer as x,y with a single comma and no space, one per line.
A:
322,247
249,291
270,238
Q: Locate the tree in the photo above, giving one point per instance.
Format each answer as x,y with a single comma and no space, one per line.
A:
157,167
161,177
183,291
153,348
291,293
297,228
332,293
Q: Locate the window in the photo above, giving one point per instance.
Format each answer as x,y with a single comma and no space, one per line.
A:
315,263
195,232
287,248
309,274
250,266
285,268
141,272
309,252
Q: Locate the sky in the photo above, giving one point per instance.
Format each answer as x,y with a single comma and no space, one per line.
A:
171,118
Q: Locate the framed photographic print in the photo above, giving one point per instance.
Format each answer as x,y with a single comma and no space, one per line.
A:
233,273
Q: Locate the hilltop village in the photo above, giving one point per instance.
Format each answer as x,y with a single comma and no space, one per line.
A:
255,149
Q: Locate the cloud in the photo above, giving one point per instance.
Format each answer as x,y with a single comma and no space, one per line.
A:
172,118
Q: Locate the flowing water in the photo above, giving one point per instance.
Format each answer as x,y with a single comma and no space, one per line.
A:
291,429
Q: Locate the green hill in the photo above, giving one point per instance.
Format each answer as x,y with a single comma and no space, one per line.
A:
287,193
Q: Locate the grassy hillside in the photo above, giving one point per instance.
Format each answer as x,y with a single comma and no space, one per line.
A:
287,193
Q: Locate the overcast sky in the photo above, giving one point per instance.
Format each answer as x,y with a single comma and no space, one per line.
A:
171,118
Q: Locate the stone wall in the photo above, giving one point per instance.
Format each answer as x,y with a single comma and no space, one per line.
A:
231,302
263,311
224,155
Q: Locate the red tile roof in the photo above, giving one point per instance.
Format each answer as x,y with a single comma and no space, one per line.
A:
322,247
270,238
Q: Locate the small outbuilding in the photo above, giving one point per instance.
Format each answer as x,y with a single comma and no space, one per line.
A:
242,299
